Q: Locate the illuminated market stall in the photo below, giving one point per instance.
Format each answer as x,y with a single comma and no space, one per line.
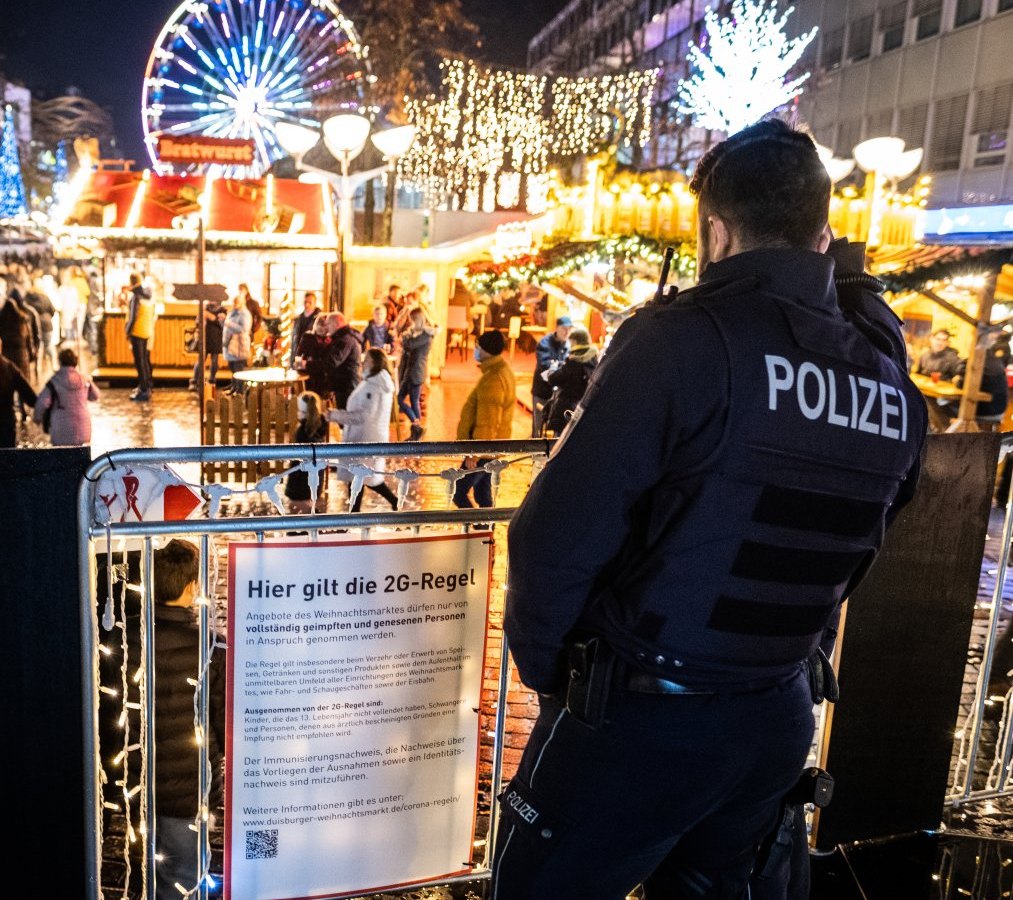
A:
275,235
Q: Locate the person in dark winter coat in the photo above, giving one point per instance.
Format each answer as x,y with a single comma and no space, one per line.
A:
16,334
416,343
214,320
177,647
570,380
302,324
11,382
344,359
312,356
550,354
312,429
35,325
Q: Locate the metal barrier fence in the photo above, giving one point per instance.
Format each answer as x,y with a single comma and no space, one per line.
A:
95,530
983,756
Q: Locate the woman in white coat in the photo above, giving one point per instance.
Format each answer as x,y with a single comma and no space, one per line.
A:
366,419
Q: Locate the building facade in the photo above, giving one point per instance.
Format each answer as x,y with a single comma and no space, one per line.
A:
937,73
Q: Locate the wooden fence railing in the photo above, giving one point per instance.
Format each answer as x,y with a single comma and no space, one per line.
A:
259,417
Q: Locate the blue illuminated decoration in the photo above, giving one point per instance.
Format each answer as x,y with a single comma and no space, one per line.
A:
970,225
235,68
12,185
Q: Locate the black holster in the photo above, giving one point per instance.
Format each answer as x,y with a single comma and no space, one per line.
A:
592,672
815,786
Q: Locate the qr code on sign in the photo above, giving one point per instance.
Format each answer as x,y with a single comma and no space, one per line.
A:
262,844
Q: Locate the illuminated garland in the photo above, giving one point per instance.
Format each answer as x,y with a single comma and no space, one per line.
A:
558,261
487,140
974,261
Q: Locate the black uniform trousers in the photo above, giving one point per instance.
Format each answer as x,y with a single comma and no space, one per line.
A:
673,791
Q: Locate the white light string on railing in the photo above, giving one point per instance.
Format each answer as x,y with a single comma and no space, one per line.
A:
108,503
130,799
201,684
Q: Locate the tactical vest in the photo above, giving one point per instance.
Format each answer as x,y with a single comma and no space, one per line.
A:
821,429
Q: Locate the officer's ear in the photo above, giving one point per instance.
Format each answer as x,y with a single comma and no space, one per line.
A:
719,238
826,238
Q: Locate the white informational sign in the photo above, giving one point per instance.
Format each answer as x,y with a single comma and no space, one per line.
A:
355,674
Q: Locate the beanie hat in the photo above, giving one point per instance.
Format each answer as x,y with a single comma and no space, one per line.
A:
492,342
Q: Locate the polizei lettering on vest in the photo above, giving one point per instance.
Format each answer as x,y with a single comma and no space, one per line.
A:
850,401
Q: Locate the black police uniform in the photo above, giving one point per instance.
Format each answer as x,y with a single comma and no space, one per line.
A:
725,481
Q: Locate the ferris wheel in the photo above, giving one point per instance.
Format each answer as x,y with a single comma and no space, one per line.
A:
236,68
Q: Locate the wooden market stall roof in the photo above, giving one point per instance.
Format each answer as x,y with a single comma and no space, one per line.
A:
912,268
143,200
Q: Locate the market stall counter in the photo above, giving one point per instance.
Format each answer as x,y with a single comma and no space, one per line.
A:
168,356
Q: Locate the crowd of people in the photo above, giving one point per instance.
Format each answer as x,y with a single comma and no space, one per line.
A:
46,315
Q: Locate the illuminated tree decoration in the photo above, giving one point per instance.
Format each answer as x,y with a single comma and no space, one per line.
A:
12,186
489,136
234,68
743,75
61,176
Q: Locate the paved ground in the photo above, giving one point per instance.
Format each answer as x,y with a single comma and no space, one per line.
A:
170,419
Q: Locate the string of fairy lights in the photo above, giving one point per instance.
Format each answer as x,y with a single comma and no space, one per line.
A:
560,260
486,141
128,794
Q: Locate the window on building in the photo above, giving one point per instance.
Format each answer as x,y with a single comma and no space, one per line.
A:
929,15
967,11
833,47
891,25
849,133
879,124
947,142
990,125
860,39
911,121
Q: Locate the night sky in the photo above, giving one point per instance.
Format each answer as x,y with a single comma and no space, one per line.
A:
103,47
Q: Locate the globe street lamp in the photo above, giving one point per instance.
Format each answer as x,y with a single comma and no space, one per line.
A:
886,162
345,137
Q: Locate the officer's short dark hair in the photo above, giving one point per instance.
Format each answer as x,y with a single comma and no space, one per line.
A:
67,357
768,183
176,565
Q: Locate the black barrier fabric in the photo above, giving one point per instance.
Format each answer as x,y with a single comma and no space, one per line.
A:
904,649
44,779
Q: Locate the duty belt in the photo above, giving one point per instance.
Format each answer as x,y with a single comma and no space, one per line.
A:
640,682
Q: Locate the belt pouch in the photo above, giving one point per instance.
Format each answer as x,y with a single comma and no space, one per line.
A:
592,667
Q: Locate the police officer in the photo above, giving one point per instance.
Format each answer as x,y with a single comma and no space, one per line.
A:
724,483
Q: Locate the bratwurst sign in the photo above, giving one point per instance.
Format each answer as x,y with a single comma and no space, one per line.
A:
215,151
353,734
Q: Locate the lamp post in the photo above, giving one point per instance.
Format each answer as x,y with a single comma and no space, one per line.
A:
345,137
393,144
886,162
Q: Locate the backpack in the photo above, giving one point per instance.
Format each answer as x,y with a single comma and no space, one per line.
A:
47,416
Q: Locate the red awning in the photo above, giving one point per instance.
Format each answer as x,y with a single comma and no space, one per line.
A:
168,201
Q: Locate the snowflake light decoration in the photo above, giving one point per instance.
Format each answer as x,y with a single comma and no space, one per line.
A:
743,75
